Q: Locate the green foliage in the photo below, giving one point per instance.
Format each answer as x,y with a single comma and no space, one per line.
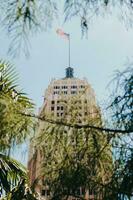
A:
122,104
14,180
22,191
121,185
11,172
71,157
14,126
23,18
88,11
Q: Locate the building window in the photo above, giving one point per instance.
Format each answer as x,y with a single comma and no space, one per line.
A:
86,113
56,87
56,92
85,101
58,107
80,92
58,114
64,87
73,92
74,86
82,86
61,114
52,108
52,102
61,107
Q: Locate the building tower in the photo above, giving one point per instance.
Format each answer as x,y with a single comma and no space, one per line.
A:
67,88
58,92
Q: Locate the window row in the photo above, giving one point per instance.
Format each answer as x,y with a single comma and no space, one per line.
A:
59,87
59,114
64,92
58,108
53,102
78,101
58,92
72,86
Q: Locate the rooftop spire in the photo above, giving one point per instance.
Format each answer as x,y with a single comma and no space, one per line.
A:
69,72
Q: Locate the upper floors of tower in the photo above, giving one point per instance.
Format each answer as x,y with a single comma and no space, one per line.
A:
62,93
68,87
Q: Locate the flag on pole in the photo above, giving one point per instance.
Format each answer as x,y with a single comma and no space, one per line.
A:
63,34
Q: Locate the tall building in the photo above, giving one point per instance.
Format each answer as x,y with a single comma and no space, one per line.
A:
57,105
66,89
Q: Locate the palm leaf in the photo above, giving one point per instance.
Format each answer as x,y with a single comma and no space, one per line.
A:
11,172
15,127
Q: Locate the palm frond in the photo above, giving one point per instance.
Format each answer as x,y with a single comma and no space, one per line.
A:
11,172
15,127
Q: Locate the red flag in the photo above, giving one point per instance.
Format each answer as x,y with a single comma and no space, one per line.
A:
63,34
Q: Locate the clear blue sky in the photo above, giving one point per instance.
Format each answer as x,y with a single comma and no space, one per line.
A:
107,48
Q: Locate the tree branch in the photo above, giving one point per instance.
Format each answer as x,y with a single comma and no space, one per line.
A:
78,126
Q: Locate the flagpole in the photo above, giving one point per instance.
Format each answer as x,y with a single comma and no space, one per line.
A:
66,36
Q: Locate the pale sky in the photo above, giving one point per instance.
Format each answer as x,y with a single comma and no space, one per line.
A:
107,49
